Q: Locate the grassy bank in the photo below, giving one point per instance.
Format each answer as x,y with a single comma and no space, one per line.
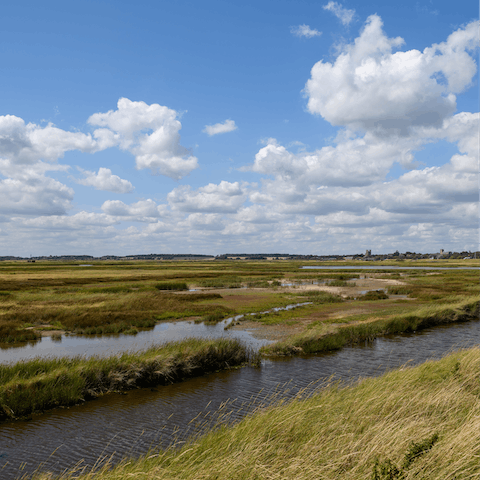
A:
322,337
420,422
37,385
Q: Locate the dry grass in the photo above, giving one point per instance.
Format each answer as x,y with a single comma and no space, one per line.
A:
422,422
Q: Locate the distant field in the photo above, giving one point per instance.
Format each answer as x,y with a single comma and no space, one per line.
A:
124,297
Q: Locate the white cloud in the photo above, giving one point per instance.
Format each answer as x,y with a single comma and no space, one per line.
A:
342,13
151,133
140,210
36,195
304,31
225,197
77,221
226,126
372,89
25,144
353,162
104,180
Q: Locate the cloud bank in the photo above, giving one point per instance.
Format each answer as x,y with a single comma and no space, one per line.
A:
388,102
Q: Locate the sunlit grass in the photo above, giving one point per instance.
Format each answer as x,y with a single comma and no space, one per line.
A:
422,421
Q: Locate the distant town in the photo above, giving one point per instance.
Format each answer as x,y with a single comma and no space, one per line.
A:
368,256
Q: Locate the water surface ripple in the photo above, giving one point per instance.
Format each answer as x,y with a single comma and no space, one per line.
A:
119,425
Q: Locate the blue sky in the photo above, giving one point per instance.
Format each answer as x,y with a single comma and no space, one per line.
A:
213,127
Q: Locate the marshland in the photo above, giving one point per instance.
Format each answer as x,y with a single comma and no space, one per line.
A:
335,311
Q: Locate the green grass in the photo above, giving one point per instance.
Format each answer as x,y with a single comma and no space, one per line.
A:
222,282
36,385
124,297
411,423
322,337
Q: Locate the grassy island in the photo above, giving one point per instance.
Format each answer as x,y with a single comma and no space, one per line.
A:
40,384
420,422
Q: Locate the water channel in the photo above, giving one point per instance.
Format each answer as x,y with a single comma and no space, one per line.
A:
128,425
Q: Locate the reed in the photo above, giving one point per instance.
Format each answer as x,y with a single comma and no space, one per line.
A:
410,423
37,385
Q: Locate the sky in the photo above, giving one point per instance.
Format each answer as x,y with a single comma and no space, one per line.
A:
266,126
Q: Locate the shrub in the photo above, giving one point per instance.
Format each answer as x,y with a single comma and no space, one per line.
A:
171,286
374,295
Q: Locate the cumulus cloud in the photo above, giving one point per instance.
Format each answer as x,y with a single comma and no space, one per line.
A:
304,31
139,210
353,162
343,14
333,199
150,132
25,144
225,197
36,195
225,127
370,88
105,180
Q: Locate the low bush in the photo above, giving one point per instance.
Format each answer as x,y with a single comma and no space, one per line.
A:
319,296
399,290
374,295
171,286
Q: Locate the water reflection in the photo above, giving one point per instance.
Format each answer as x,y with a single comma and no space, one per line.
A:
89,345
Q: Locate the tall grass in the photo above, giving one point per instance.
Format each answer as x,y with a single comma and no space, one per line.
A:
12,332
412,423
37,385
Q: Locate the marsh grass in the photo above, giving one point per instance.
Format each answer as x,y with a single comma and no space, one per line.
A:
40,384
171,286
419,422
13,332
123,297
222,282
373,295
320,297
103,312
323,337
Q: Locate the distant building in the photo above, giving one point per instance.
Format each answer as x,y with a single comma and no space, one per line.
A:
368,253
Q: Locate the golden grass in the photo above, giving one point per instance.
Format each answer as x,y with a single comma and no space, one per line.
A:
422,421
